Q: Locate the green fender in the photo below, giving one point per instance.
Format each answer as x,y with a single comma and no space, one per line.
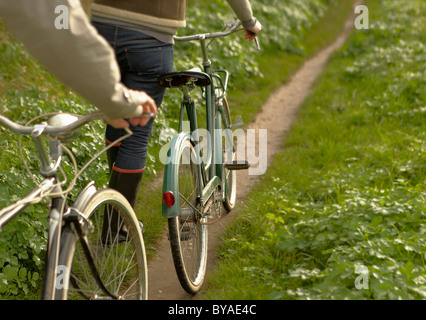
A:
170,181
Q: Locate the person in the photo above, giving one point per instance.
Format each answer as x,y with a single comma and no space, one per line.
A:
141,34
78,56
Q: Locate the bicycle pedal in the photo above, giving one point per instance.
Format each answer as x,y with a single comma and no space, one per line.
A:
237,165
238,123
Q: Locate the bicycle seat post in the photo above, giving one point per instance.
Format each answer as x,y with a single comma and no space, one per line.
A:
186,90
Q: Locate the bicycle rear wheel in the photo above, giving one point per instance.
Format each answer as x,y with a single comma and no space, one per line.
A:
116,246
188,237
229,155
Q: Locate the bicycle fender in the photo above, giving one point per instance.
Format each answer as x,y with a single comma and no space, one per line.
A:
84,196
171,170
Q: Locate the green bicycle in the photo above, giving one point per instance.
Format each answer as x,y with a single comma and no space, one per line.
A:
198,185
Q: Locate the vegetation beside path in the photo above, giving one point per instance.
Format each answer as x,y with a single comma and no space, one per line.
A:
341,212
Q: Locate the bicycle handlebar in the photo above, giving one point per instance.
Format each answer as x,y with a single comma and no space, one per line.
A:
52,130
234,28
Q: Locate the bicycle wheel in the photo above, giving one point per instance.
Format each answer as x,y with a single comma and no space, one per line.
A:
116,246
187,235
229,154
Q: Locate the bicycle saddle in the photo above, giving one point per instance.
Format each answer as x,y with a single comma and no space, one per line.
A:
182,78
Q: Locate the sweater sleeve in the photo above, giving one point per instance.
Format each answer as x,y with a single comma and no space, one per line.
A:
72,50
242,9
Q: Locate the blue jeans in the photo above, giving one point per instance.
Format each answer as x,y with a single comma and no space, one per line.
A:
141,59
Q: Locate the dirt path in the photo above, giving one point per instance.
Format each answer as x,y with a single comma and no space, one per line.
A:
277,115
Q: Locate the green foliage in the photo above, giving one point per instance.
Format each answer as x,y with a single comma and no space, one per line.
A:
349,190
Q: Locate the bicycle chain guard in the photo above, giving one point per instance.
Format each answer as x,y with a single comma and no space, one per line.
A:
212,211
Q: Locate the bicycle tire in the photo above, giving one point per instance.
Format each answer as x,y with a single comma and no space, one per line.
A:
187,235
119,257
230,176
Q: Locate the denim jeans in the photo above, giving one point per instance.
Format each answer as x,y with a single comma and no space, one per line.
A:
141,59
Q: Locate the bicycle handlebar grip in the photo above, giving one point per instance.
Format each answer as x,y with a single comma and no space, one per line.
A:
255,39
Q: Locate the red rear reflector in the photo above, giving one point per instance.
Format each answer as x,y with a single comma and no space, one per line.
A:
169,198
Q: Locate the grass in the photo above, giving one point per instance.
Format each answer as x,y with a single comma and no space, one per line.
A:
344,204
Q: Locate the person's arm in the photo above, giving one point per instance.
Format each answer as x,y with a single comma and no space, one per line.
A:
242,9
78,56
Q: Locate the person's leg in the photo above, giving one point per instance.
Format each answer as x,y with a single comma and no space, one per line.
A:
127,161
142,59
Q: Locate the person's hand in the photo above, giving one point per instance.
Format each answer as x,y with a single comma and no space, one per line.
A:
251,33
149,106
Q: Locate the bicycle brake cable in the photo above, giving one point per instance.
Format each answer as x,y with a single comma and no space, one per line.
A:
78,173
72,157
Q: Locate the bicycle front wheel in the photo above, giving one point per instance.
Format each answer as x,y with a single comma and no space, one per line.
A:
117,249
187,234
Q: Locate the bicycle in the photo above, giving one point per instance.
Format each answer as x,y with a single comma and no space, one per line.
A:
95,247
197,185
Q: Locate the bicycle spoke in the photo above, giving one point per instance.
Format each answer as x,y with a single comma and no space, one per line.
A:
116,256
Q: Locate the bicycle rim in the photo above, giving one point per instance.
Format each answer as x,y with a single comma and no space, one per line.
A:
116,246
230,176
188,238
